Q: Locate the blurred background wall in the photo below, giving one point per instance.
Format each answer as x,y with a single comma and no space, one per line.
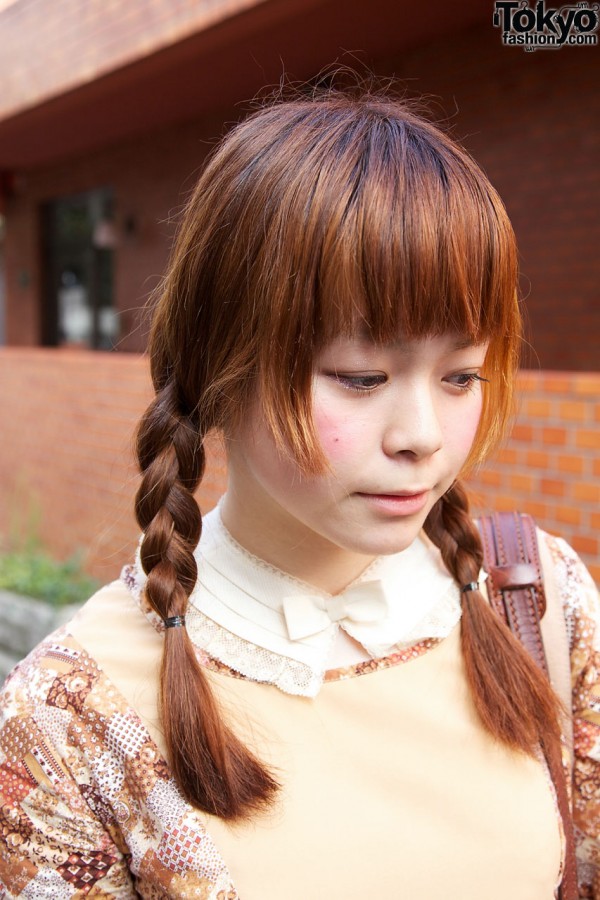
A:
106,113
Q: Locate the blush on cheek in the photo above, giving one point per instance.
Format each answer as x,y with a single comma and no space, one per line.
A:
336,439
467,429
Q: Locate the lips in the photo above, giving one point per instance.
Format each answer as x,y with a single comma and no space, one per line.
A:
398,503
417,492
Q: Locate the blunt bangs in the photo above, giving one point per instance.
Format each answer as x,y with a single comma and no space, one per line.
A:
419,247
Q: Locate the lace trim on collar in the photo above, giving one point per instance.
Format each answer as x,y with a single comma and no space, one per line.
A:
216,644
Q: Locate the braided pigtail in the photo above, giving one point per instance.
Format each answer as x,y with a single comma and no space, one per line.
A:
213,769
513,698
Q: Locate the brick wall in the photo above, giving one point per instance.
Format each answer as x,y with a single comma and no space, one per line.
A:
66,457
530,119
66,454
150,179
50,48
533,123
550,467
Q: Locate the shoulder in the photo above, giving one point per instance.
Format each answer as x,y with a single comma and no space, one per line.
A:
73,669
49,706
82,778
58,658
566,575
61,690
571,587
33,682
50,733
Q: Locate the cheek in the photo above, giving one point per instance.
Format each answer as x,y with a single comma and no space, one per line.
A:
462,430
339,436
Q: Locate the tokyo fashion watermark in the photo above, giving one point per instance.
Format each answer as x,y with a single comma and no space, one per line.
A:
549,29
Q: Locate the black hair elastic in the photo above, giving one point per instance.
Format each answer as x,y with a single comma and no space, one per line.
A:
175,622
471,586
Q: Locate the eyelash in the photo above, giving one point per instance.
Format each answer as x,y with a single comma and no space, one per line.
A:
471,380
353,382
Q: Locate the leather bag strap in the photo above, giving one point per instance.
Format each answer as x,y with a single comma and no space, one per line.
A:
516,591
516,587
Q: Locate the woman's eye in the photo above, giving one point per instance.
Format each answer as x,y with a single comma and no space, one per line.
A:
360,383
465,380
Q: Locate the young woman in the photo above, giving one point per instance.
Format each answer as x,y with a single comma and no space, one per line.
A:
304,693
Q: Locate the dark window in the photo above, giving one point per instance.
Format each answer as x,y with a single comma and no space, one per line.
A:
78,250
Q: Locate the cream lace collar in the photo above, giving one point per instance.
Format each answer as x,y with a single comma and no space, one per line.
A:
239,611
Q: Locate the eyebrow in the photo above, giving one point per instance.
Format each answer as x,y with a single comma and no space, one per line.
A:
464,344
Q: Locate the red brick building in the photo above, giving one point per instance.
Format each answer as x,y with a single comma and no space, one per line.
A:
106,115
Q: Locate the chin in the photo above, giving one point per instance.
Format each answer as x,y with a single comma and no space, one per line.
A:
386,545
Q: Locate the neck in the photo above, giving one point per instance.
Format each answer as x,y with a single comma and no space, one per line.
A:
271,537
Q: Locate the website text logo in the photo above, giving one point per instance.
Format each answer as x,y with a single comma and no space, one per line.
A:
549,29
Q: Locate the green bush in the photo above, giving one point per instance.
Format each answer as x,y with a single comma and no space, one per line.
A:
35,574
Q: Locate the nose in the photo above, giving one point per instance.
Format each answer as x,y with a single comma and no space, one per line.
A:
413,426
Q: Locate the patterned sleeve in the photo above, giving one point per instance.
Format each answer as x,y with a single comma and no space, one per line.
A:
88,806
57,838
582,613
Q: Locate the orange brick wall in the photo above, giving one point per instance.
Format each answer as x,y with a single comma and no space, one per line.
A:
66,454
551,465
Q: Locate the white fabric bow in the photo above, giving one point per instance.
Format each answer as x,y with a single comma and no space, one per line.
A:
308,614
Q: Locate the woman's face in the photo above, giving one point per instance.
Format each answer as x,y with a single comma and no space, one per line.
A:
396,424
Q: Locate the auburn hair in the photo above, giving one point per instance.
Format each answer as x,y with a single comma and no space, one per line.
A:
311,218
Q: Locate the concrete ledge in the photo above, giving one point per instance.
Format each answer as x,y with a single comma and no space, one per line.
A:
24,622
